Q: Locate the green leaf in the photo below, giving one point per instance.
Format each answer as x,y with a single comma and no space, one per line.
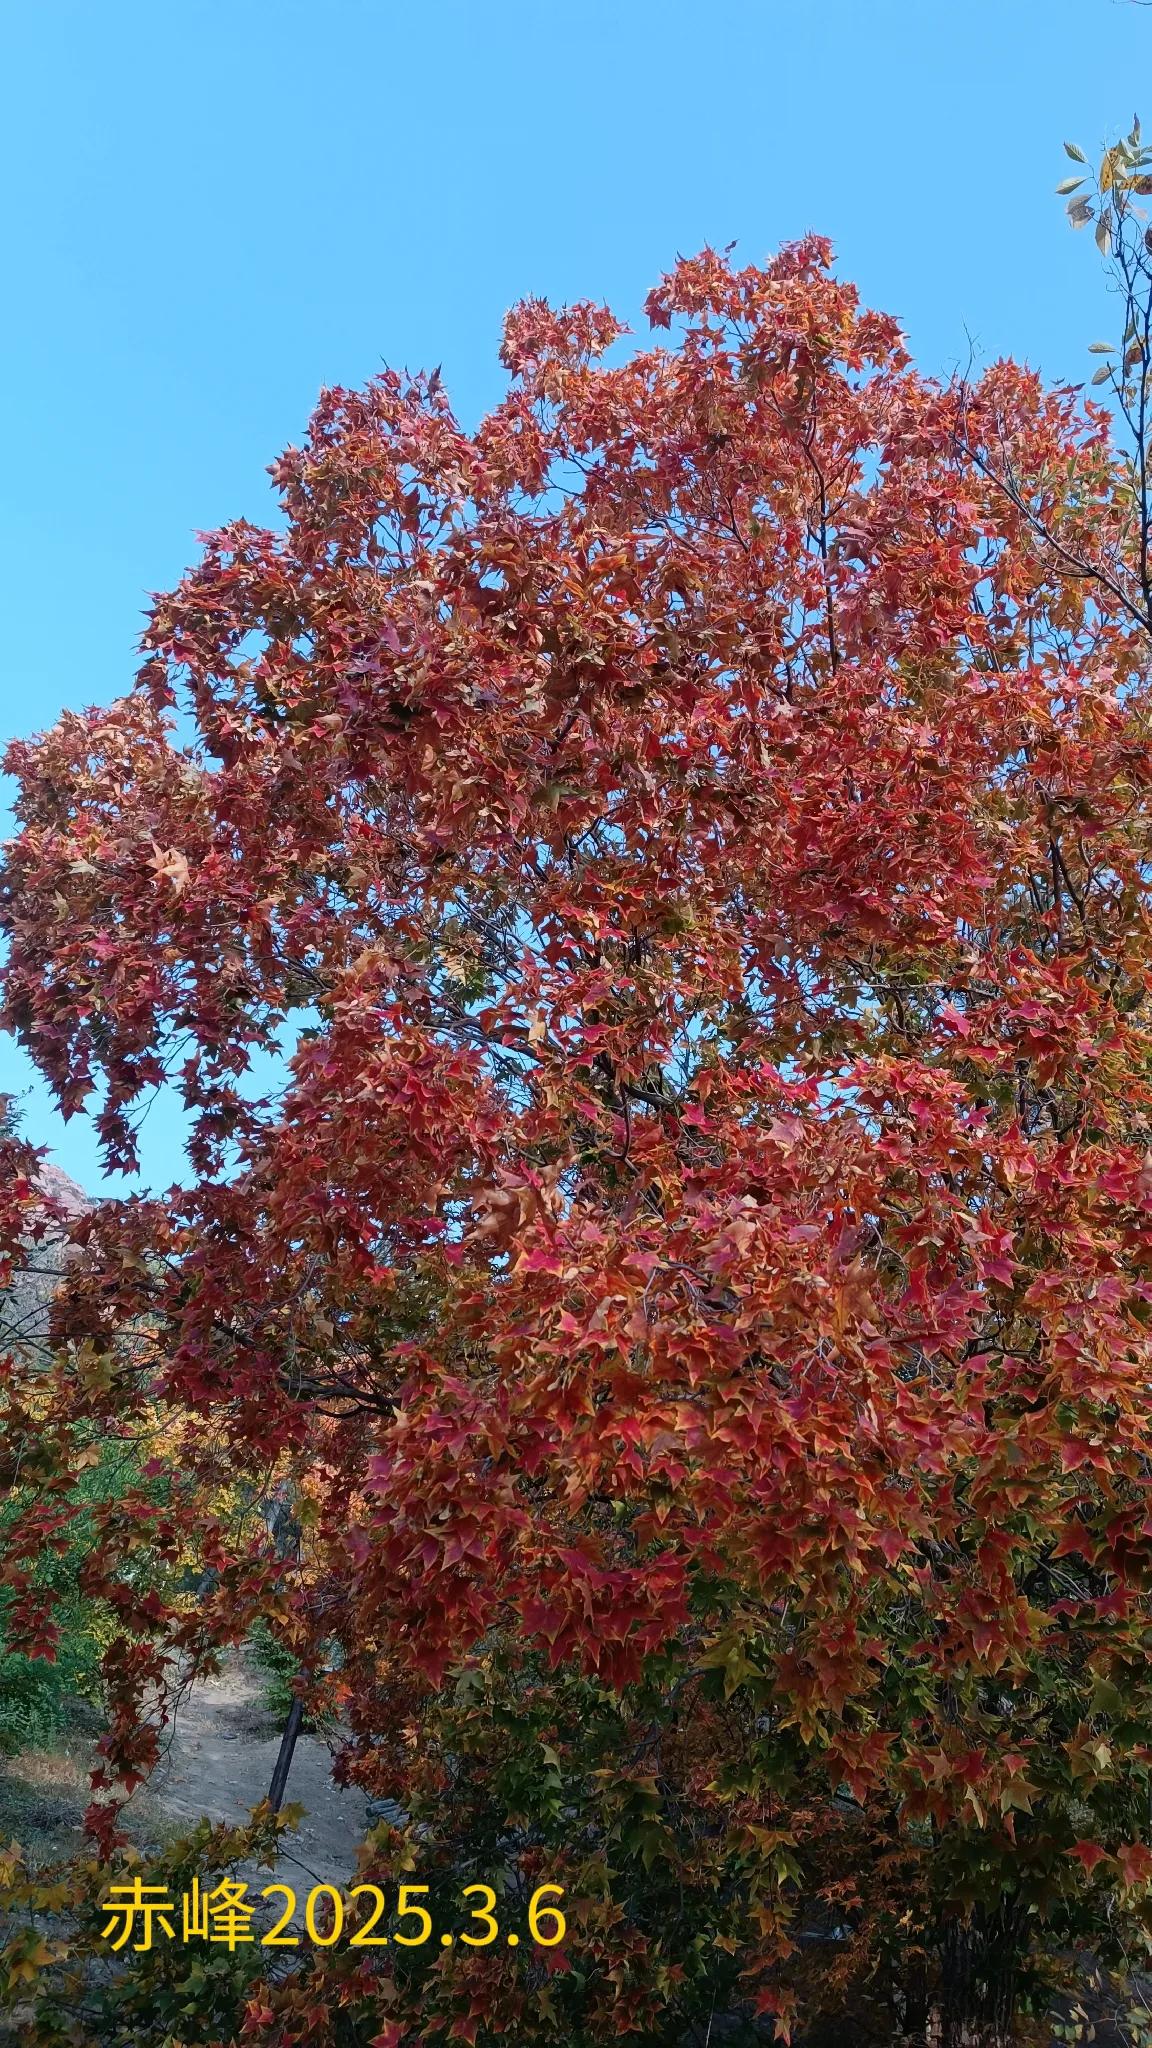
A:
1102,375
727,1654
1101,348
1077,155
1068,185
785,1866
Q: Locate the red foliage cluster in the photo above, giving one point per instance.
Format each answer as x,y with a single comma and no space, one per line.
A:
691,838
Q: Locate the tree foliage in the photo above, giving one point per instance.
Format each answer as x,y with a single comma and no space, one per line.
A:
688,840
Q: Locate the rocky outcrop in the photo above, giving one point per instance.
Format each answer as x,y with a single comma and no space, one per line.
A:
25,1305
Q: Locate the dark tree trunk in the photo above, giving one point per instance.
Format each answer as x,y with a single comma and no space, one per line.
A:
979,1974
916,2033
284,1759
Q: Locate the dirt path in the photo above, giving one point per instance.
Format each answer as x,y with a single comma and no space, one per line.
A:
216,1762
219,1763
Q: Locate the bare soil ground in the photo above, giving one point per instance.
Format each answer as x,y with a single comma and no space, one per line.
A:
43,1794
217,1762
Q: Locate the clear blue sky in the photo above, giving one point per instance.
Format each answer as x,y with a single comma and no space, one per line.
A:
216,206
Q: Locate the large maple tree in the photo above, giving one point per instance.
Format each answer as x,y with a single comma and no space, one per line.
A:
646,904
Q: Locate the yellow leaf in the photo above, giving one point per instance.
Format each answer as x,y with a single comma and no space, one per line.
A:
25,1968
172,865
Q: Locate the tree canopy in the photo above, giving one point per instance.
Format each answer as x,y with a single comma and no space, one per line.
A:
686,844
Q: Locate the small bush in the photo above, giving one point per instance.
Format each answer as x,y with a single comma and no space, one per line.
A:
38,1698
280,1668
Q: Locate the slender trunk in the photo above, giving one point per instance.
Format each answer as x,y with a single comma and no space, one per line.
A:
284,1758
979,1974
915,2032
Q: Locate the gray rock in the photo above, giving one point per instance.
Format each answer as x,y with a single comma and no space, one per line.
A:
25,1306
387,1809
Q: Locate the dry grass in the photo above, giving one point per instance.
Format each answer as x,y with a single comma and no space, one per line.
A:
44,1792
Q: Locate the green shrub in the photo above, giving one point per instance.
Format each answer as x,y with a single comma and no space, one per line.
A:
38,1698
279,1667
